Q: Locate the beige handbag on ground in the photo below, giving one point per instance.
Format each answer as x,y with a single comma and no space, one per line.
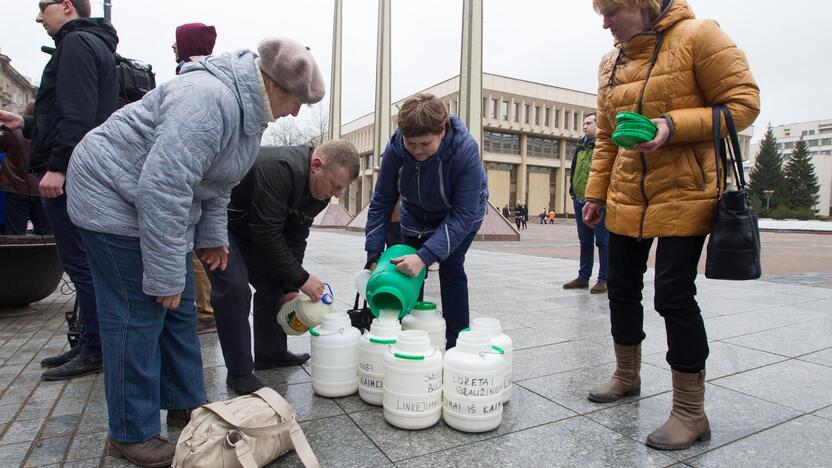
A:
248,431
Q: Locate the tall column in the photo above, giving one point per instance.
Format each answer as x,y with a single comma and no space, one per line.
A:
381,126
561,187
335,79
522,173
470,69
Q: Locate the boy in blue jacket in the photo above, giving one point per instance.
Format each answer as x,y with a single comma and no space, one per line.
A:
433,165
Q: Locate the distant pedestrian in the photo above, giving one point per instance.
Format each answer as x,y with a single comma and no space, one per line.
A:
542,216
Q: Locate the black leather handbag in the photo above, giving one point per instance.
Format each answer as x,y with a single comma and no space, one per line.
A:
734,244
362,317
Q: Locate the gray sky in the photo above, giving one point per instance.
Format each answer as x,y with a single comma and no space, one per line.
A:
556,42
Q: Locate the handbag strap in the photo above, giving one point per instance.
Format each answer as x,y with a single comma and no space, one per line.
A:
285,410
729,155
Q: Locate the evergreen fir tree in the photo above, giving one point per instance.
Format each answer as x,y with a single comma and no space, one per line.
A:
801,187
767,173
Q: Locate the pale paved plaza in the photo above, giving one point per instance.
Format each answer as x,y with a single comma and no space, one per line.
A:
768,396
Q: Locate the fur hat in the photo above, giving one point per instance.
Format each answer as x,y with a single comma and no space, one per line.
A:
291,66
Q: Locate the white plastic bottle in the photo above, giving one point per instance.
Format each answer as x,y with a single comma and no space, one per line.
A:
300,314
425,316
413,382
472,384
494,330
372,349
334,358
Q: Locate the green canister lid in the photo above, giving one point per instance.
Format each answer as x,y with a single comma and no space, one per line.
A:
630,117
629,138
425,305
637,126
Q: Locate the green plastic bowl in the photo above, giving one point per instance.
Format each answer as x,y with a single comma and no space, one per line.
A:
630,117
630,138
636,127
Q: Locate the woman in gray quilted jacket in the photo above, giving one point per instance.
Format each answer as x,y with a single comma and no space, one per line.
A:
145,188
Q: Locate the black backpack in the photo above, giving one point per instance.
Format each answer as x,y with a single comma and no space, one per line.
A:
135,79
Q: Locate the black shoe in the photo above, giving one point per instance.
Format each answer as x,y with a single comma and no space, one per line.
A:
205,326
61,359
76,367
286,359
178,417
244,384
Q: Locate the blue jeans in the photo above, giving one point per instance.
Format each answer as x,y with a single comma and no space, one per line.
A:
152,357
586,236
74,259
453,287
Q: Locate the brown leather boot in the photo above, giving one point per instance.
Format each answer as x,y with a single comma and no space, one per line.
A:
687,422
625,381
577,283
156,452
599,288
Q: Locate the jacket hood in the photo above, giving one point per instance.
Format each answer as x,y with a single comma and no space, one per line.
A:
455,136
673,12
100,27
237,71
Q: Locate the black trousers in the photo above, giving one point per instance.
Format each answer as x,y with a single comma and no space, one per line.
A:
20,209
231,298
676,262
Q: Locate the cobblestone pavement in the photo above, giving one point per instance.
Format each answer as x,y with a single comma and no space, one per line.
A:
767,391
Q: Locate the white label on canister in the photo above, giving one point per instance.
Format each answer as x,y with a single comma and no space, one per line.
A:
463,406
476,386
371,382
425,405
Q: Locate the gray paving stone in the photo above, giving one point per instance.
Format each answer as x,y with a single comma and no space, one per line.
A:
88,463
13,455
724,359
92,422
793,383
35,410
570,389
48,451
307,405
792,340
545,360
825,413
732,416
524,411
823,357
23,431
571,442
762,319
337,442
57,426
353,404
7,412
15,395
803,441
48,390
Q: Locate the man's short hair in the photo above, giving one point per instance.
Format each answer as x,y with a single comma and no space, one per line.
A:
340,153
82,7
591,114
422,114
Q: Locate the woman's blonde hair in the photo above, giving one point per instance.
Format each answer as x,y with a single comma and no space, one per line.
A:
602,6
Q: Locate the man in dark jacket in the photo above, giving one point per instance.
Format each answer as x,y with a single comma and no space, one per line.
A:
78,91
581,163
269,218
22,195
433,165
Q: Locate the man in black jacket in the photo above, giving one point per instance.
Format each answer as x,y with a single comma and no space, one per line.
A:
78,91
269,218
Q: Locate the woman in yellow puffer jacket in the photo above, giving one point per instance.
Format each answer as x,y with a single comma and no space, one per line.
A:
672,68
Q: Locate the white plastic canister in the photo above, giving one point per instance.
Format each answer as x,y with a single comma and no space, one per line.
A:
494,330
412,382
334,358
373,347
425,316
297,315
473,384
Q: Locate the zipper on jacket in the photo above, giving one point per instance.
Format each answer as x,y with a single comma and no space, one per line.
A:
653,61
442,186
702,184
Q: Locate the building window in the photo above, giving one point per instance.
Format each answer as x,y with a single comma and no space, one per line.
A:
575,124
547,121
556,123
517,112
812,142
811,132
537,115
571,147
504,108
542,147
484,107
528,111
788,145
496,142
787,132
825,130
826,142
494,109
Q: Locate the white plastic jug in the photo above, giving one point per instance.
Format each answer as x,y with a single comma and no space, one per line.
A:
472,398
425,316
371,350
299,314
334,358
412,382
494,330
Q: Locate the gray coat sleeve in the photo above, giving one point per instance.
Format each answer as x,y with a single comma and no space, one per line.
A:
189,132
212,230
